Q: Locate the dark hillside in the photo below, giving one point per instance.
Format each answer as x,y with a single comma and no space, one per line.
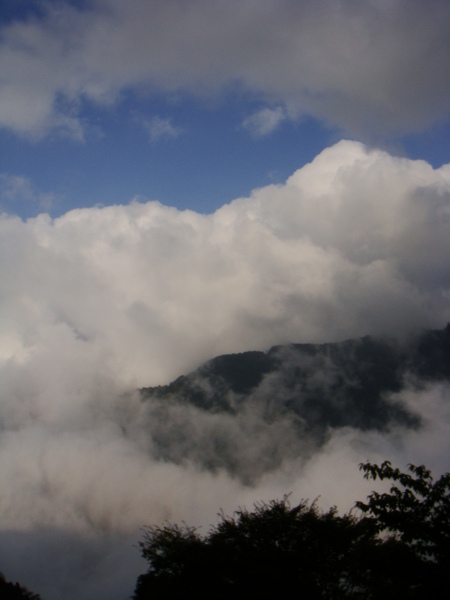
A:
290,398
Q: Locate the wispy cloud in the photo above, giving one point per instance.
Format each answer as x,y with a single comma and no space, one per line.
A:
159,128
264,121
16,191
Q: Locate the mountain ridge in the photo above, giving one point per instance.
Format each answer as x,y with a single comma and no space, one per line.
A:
299,391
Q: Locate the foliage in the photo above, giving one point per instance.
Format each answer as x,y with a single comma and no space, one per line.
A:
415,514
396,546
418,514
14,591
269,549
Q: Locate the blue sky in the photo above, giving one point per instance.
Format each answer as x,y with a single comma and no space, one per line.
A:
210,160
281,81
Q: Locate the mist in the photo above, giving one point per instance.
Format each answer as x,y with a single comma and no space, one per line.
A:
102,301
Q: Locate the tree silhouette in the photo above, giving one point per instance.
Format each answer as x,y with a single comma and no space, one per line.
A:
265,551
15,591
415,516
393,546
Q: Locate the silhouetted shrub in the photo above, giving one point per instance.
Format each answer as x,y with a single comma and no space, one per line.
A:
394,546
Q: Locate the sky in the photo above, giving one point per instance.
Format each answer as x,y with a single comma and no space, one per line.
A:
195,103
183,179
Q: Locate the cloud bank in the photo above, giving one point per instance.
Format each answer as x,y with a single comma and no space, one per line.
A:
103,300
355,242
365,67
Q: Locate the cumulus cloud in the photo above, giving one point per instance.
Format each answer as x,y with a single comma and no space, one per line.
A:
365,67
354,243
103,300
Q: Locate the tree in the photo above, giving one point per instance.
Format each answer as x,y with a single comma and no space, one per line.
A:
266,551
393,547
415,516
15,591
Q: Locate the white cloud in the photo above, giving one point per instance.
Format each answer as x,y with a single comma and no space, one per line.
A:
355,242
102,300
264,121
159,128
365,67
16,190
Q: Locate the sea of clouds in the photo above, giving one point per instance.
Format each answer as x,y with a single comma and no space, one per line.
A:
101,301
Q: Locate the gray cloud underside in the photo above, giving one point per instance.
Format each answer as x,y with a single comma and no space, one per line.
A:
362,66
104,300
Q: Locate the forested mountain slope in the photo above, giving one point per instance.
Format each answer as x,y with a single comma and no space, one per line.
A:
289,399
